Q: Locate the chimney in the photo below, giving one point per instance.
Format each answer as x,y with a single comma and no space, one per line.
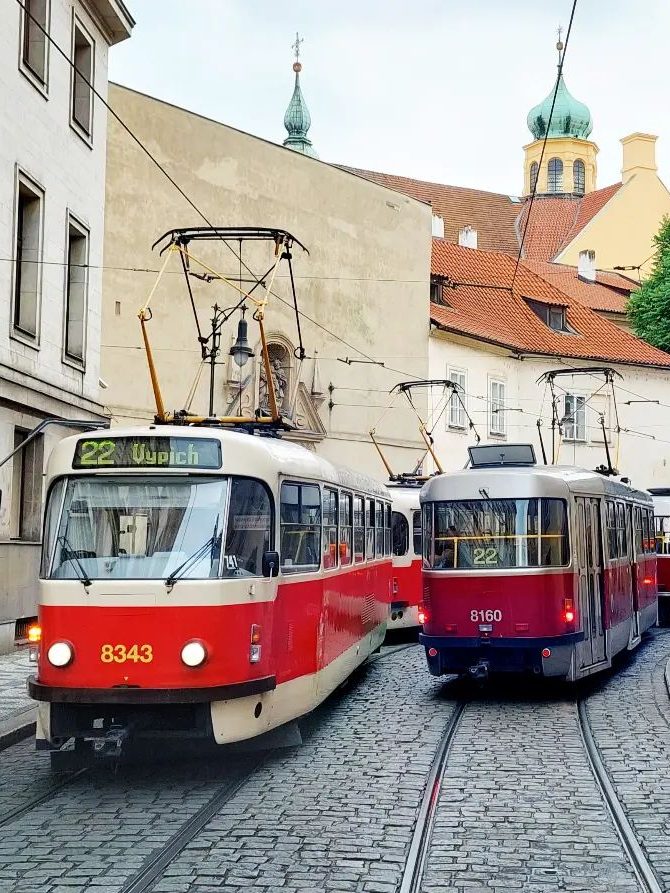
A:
438,227
639,154
586,269
467,237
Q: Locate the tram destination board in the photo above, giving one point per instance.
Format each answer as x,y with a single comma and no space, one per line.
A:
147,452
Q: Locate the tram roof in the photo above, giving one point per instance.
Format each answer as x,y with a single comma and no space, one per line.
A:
244,454
525,482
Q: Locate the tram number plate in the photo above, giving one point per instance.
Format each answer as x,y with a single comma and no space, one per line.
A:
119,654
485,616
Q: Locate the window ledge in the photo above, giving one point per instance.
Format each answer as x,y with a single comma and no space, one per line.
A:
86,138
497,435
77,365
17,335
42,87
457,429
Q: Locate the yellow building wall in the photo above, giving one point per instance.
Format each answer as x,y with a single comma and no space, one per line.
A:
622,233
568,150
366,278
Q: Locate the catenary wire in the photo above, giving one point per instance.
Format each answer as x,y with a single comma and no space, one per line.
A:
181,191
544,142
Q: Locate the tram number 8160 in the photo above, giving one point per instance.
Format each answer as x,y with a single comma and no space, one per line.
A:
486,616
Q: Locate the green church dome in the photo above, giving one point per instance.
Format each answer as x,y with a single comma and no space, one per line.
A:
571,118
297,119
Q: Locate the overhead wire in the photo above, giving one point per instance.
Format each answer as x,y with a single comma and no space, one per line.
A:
181,191
561,60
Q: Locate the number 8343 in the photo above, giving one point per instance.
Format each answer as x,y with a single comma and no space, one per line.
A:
119,654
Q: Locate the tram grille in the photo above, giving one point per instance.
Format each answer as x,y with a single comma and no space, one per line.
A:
368,611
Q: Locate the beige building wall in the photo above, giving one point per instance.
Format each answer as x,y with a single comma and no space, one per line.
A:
365,280
622,233
641,451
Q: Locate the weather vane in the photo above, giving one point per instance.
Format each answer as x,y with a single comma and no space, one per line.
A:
559,44
296,46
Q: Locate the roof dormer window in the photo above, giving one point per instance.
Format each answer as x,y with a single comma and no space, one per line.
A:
552,315
437,286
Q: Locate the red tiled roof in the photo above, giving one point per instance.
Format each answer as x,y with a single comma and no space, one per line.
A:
491,214
499,220
501,317
609,293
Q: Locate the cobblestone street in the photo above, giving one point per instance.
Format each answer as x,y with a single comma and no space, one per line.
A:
519,808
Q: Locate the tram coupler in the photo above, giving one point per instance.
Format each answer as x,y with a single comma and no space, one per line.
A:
112,744
479,672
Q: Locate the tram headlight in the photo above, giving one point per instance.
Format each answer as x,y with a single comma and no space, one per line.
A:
60,654
193,654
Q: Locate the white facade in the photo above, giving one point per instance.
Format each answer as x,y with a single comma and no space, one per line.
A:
52,189
493,379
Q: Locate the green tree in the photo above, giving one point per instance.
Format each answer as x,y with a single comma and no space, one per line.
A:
649,306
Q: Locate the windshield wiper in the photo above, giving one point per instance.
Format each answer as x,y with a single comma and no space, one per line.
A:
178,572
74,558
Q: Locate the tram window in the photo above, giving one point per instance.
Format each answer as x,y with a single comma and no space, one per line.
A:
387,529
648,535
346,527
400,534
248,534
639,547
416,532
300,527
662,538
493,533
611,530
427,530
379,529
370,529
622,533
359,529
329,528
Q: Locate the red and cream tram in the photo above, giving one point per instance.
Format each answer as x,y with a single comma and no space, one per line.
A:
406,546
544,569
203,583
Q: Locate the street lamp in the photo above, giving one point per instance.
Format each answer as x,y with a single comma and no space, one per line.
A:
240,351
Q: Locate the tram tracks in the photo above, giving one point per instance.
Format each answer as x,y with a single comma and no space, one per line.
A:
641,866
419,849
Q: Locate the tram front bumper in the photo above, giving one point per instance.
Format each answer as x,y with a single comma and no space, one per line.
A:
451,654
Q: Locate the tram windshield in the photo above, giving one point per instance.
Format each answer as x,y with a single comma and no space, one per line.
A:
496,533
150,527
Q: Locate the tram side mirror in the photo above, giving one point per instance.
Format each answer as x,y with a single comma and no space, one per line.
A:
270,564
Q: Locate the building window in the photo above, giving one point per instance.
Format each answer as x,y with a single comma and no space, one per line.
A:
27,257
76,287
34,43
533,176
26,507
435,292
300,528
83,53
497,408
552,315
574,417
578,177
555,178
456,417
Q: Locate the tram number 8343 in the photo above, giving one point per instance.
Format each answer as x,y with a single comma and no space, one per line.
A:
486,616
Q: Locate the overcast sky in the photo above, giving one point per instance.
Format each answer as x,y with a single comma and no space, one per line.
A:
434,89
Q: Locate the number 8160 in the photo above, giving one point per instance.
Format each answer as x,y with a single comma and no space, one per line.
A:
485,616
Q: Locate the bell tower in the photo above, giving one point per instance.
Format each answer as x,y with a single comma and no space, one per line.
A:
569,163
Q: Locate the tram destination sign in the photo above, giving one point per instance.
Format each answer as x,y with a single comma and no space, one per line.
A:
147,452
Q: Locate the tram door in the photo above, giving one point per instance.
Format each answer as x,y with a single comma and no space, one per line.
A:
590,558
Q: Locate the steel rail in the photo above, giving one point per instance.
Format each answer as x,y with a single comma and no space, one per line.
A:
12,815
636,855
155,865
421,837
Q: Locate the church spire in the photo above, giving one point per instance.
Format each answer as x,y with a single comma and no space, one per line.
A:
297,120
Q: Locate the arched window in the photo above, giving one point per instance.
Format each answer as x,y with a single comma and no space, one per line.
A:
578,176
555,179
533,175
